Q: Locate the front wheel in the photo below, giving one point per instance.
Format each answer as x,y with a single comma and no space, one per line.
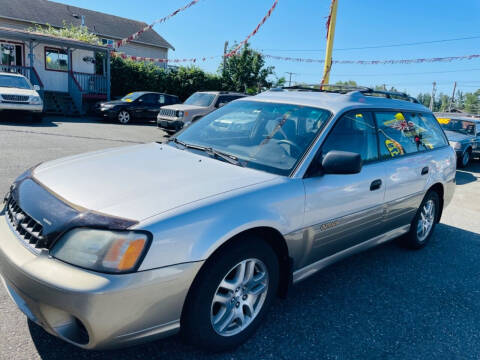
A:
465,159
124,117
424,222
231,295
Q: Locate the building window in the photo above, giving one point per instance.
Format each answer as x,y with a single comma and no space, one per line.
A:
56,59
107,42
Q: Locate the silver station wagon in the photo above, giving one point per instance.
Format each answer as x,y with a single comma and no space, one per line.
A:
198,235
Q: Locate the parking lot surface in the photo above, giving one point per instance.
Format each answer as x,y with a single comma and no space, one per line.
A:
386,303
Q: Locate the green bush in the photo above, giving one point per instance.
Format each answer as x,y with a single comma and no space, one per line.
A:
128,76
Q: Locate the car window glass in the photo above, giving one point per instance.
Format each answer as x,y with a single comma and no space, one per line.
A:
354,132
161,99
398,135
222,99
430,131
150,99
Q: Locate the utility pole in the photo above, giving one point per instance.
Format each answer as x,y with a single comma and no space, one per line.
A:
290,79
432,99
332,19
453,96
225,48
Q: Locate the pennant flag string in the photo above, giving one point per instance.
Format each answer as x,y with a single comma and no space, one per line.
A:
159,21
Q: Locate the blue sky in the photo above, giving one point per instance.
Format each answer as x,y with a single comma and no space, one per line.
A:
297,28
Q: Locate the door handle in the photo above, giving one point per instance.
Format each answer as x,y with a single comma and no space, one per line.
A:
375,185
425,170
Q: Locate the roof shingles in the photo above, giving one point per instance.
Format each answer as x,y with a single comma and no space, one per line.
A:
53,13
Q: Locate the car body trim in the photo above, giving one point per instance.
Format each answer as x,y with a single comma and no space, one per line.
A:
311,269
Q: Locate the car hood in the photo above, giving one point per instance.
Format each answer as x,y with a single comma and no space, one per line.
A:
17,91
457,137
183,107
140,181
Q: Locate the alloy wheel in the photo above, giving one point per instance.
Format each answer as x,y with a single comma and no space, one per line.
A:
426,220
124,117
239,297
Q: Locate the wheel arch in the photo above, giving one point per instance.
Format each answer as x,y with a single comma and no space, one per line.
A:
439,189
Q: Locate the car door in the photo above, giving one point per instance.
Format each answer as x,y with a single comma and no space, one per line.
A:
342,211
405,140
143,106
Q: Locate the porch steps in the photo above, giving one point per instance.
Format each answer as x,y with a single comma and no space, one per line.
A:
59,103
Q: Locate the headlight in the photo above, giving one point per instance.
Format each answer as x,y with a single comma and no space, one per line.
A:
35,100
455,145
180,114
102,250
107,106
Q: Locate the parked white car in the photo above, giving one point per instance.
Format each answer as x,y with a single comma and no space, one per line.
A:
18,95
173,118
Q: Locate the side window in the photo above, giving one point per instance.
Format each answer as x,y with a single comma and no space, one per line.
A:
429,131
150,99
161,99
354,132
397,135
222,99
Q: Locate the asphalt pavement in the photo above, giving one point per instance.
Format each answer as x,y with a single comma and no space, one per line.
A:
385,303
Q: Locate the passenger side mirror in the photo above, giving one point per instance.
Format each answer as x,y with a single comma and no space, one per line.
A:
221,105
341,162
36,87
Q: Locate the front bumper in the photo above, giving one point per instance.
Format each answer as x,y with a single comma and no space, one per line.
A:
170,124
106,113
89,309
5,106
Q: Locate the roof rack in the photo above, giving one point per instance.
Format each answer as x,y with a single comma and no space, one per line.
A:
390,95
341,89
346,89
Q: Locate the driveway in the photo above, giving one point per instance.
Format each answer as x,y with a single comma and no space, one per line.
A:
386,303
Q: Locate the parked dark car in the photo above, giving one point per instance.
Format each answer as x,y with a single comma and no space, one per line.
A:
463,134
136,105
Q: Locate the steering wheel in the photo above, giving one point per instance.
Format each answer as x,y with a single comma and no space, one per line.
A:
297,148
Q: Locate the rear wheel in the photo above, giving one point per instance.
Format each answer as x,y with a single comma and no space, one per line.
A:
124,117
424,222
231,295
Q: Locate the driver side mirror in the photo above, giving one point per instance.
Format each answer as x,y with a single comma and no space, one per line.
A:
222,104
36,87
341,162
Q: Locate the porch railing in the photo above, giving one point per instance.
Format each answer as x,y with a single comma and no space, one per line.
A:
91,84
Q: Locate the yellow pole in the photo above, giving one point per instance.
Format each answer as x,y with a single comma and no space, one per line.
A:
330,38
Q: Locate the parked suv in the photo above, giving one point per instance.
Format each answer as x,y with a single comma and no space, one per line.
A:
175,117
463,133
261,193
134,106
18,96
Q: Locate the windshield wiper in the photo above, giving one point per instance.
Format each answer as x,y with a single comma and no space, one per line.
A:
209,150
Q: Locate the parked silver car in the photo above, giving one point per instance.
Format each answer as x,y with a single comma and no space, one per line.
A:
257,195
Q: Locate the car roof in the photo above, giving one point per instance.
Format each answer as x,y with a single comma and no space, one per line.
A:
221,93
151,92
336,102
11,74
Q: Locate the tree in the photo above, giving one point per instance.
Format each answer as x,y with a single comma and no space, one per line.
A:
472,102
346,83
246,72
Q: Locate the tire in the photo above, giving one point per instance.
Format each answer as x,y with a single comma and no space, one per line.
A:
419,236
201,311
465,159
124,117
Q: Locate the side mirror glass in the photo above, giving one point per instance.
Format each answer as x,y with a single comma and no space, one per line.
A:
221,105
341,162
36,87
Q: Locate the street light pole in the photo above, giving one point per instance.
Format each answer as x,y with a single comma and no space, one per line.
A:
332,19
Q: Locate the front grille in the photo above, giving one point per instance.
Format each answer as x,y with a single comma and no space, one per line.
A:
15,98
25,227
168,112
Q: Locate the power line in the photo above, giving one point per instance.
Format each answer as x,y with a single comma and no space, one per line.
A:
381,46
399,74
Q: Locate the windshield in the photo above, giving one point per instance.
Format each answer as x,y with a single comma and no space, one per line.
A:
266,136
200,99
461,126
14,82
132,96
